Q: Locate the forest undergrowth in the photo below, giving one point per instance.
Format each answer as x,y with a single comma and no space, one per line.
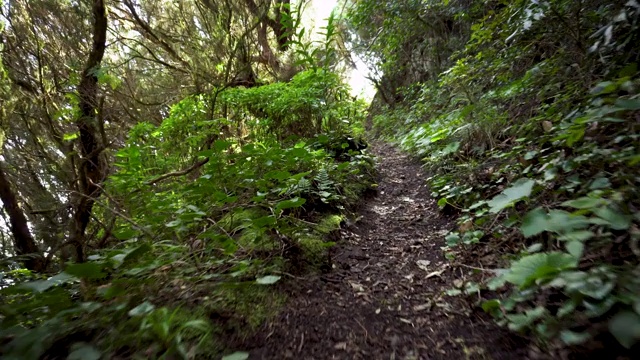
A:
165,169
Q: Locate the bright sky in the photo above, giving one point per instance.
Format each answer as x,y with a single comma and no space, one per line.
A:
314,17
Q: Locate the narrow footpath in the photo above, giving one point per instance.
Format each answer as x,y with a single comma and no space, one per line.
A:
385,295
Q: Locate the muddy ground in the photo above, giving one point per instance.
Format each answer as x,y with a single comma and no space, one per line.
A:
384,297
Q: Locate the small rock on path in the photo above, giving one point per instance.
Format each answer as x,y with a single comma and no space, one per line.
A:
384,297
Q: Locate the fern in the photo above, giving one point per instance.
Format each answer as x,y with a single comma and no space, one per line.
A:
326,187
301,187
324,181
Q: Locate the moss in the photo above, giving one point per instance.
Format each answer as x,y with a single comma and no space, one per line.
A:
315,250
244,308
329,223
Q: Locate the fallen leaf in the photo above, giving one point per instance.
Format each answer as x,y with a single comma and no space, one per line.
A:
468,225
357,287
423,307
340,346
435,273
423,264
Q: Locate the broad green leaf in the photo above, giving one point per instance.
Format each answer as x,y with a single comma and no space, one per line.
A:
293,203
600,183
578,235
519,190
125,233
238,355
628,104
452,239
137,252
264,221
268,280
84,351
625,326
574,338
518,322
88,270
534,248
43,285
557,221
539,267
584,203
220,145
142,309
174,223
491,306
615,219
575,248
534,222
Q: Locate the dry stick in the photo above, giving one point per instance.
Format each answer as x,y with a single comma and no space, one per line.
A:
178,173
476,268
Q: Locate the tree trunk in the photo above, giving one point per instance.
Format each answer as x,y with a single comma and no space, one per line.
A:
23,242
93,166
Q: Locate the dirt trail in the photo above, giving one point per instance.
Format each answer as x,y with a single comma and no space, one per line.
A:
384,297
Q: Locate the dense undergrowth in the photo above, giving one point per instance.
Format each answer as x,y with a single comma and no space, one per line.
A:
270,173
531,134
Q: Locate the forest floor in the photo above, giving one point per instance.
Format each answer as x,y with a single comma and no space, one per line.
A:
385,295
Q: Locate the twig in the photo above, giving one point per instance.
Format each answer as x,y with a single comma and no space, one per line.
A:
476,268
178,173
301,343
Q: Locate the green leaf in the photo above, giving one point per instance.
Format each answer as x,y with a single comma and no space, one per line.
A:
173,223
238,355
579,235
442,202
88,270
628,104
519,190
534,222
268,280
625,326
125,233
558,221
584,203
43,285
71,136
534,248
83,351
142,309
575,248
452,239
615,219
518,322
539,267
293,203
277,175
137,252
600,183
573,338
491,306
220,145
